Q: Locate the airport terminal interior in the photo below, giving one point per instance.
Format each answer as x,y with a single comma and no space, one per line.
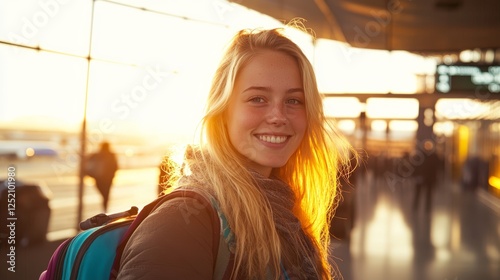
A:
422,204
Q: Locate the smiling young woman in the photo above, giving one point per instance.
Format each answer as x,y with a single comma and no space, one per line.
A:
266,116
270,160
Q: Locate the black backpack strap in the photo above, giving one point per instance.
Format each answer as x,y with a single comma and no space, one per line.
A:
206,200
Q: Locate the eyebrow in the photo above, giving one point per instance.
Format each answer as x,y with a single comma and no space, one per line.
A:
268,89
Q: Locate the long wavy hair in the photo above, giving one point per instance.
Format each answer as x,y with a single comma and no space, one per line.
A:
312,171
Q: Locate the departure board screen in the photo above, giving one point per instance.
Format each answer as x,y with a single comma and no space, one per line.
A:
467,78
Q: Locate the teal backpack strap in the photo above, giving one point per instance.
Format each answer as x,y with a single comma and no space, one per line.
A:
224,261
227,244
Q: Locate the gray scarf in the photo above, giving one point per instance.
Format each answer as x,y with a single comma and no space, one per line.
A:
300,258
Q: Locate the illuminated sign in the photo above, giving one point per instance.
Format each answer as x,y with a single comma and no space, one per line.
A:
468,77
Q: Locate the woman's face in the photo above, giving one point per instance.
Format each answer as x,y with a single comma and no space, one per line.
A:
266,118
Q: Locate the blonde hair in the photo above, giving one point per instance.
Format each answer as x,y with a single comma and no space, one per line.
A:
312,171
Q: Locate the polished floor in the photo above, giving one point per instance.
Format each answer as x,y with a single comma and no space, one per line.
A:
456,238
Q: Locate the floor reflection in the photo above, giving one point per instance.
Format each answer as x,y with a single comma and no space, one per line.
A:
457,239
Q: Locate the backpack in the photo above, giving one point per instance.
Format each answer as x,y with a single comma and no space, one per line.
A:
95,253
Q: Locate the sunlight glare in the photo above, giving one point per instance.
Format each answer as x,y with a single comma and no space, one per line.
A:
344,107
379,125
57,25
54,95
461,108
347,126
145,36
392,108
407,126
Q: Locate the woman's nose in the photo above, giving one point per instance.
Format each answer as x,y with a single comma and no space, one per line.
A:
277,115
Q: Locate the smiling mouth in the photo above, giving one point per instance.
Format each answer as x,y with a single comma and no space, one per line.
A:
273,139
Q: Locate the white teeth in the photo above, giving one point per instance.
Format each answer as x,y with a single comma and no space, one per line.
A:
273,139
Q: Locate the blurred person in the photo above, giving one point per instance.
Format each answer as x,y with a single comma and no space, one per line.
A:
425,180
102,166
272,162
426,177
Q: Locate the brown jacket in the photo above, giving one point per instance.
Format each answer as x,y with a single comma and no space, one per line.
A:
179,240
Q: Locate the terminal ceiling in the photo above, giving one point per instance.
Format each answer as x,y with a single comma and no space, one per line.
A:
420,26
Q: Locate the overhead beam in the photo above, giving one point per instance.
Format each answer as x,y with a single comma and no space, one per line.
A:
423,98
337,32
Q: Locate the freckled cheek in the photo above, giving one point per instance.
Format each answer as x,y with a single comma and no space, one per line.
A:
299,120
248,119
240,127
